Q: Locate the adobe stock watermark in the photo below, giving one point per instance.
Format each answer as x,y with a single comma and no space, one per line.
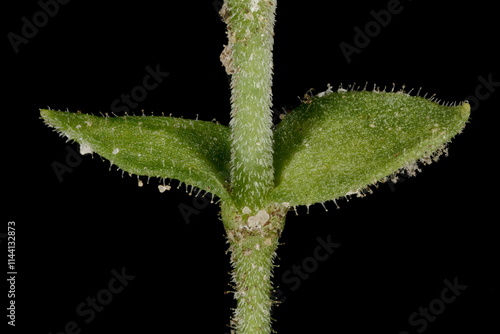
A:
151,80
199,203
72,160
483,91
88,309
363,37
419,321
30,27
293,278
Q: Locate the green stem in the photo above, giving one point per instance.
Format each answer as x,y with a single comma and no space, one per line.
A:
248,58
253,240
252,231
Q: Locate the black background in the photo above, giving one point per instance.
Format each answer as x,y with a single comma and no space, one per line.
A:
398,245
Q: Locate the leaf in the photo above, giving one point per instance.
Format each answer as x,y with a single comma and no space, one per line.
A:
342,142
194,152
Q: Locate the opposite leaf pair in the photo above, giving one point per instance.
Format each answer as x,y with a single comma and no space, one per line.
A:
332,145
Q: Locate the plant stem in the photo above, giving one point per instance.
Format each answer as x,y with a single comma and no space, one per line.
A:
253,241
252,232
248,58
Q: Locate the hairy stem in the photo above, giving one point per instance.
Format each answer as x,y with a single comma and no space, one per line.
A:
253,240
248,58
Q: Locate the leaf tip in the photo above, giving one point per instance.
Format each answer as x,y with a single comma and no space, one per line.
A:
465,108
49,117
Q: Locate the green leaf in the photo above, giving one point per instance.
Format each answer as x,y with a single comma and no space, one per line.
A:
194,152
342,142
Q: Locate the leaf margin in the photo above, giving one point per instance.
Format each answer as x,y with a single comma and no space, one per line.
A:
295,197
217,164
